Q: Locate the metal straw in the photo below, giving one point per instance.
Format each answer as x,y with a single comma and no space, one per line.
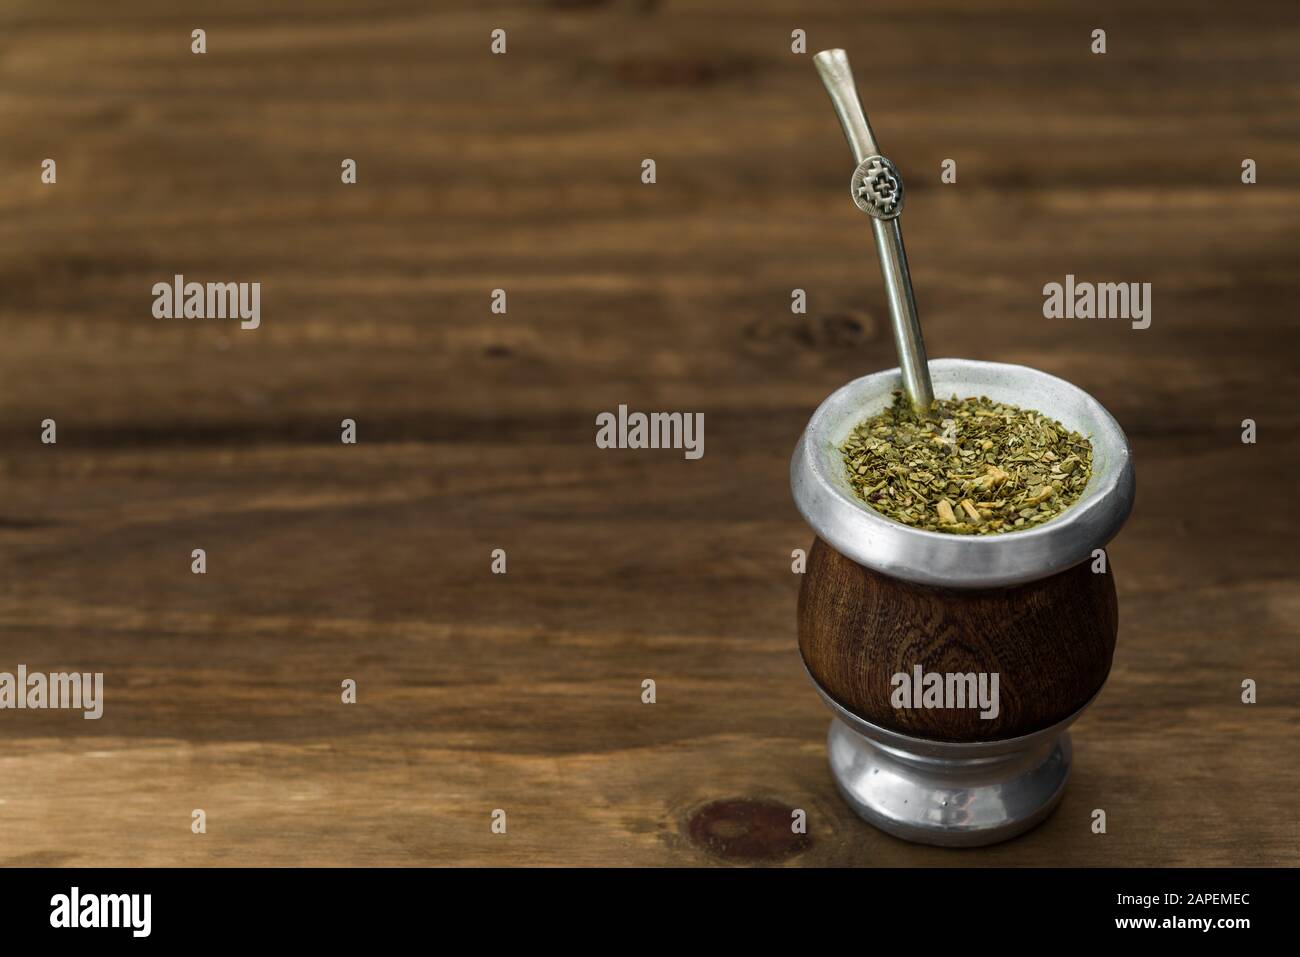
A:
877,190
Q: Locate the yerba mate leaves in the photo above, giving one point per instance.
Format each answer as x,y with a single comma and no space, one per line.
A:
967,466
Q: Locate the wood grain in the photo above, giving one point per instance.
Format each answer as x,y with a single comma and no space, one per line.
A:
523,691
1050,643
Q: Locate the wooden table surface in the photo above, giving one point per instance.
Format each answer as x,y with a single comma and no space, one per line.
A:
476,431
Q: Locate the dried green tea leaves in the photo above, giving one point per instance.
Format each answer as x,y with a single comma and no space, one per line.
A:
966,466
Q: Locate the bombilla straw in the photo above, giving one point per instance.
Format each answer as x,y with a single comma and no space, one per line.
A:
877,190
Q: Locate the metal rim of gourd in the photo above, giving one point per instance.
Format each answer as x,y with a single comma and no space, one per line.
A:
828,503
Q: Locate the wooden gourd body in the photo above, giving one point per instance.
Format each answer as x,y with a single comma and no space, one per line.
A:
1050,642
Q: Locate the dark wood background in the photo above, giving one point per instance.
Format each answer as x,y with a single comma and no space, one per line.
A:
371,562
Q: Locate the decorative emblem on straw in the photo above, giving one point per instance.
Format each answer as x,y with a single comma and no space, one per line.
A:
877,188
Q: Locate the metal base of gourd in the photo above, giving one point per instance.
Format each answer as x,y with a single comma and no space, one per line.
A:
944,793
